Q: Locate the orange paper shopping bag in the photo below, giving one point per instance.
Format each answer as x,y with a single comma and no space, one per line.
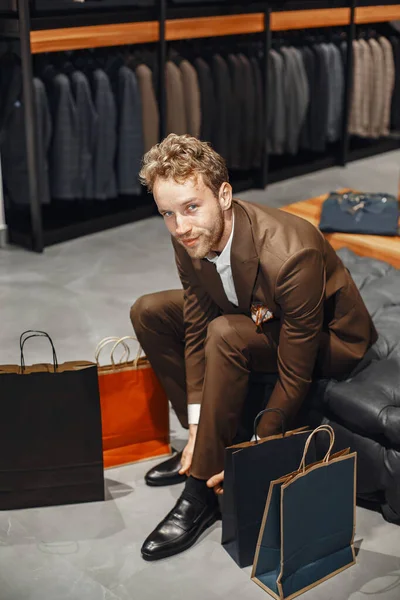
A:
134,408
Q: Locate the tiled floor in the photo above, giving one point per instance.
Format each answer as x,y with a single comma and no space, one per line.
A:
80,292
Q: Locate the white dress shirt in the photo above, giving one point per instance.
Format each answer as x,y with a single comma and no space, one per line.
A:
223,266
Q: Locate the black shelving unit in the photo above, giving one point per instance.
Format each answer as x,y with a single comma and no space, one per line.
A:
40,228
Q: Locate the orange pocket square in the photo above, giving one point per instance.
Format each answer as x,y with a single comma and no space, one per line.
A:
260,313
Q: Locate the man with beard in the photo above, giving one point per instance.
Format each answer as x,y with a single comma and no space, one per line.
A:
262,291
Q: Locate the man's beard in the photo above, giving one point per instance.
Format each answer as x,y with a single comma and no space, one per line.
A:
208,239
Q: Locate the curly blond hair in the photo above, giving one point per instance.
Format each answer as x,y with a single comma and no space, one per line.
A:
183,157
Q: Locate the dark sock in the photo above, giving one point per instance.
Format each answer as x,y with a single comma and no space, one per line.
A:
197,488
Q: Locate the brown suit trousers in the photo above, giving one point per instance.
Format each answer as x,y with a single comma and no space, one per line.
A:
233,349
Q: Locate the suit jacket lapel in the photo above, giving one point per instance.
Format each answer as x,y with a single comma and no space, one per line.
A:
244,258
211,281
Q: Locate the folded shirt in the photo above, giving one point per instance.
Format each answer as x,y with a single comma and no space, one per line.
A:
374,214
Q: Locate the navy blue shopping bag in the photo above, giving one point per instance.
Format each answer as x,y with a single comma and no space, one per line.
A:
249,469
307,533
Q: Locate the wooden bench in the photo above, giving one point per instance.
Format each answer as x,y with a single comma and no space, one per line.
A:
375,246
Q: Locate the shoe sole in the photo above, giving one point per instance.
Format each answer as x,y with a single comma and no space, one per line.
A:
164,484
213,519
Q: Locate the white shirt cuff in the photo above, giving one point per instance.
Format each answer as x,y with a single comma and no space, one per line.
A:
194,414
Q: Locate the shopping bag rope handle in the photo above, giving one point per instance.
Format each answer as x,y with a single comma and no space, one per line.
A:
33,333
112,339
260,414
121,341
327,429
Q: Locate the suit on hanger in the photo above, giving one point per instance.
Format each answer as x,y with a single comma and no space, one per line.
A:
176,106
64,155
236,131
248,116
207,99
12,138
130,133
87,124
104,175
389,84
378,89
367,86
319,119
278,124
224,108
303,95
395,107
191,91
338,71
44,131
309,65
151,119
259,115
356,113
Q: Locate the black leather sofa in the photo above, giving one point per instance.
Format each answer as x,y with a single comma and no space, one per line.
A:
364,410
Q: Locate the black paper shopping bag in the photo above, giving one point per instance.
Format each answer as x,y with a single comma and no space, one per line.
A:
249,469
50,433
307,532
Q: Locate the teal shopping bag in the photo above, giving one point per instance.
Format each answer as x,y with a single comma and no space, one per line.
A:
307,532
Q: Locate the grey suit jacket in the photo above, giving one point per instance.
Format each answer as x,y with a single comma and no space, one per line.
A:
249,110
104,176
87,124
64,155
258,142
309,65
337,119
296,96
277,125
319,120
303,95
44,130
238,108
130,133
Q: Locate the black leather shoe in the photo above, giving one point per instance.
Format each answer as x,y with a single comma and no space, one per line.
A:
181,528
166,473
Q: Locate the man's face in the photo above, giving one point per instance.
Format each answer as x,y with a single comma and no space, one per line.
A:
192,214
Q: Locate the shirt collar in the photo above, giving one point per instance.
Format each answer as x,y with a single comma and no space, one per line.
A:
225,257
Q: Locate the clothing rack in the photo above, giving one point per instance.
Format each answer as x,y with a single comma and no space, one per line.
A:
161,25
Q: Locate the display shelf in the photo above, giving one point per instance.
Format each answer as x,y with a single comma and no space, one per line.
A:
364,148
305,19
94,36
54,234
75,38
377,14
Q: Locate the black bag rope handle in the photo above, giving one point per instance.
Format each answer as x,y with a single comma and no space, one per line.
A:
34,334
260,414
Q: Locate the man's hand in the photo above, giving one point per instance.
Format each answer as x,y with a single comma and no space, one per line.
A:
216,482
187,454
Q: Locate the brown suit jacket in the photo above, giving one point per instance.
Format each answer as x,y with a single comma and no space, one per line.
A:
150,115
284,262
176,111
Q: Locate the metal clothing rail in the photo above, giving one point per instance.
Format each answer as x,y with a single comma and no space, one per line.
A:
46,34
